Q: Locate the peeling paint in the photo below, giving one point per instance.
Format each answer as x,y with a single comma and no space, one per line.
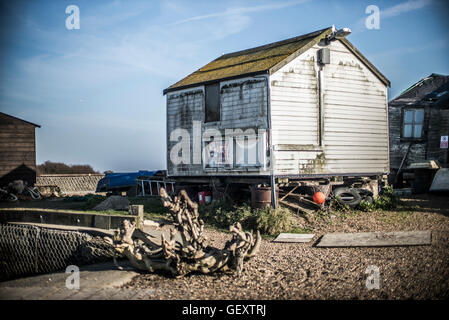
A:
314,166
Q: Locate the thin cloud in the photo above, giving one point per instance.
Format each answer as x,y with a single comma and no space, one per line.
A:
239,11
404,7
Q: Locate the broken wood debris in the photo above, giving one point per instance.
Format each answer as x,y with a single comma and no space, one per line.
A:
183,250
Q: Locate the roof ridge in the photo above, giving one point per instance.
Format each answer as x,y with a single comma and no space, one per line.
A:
432,75
272,44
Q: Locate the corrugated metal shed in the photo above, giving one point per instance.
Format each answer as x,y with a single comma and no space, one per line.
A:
267,58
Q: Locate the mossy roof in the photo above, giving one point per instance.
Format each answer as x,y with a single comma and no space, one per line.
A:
262,59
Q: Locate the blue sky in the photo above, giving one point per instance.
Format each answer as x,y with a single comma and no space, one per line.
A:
97,91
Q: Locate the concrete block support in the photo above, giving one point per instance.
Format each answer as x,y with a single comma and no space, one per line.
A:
137,210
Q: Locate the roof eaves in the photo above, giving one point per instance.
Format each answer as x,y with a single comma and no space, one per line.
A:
274,44
8,115
196,84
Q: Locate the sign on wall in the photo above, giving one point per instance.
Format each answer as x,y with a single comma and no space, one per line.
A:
444,142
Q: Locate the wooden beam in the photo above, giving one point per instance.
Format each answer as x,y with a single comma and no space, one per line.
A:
294,237
288,193
376,239
296,207
302,198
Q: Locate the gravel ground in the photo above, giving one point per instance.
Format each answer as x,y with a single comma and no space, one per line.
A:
302,271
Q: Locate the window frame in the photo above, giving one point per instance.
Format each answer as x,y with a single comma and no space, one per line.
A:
413,124
206,120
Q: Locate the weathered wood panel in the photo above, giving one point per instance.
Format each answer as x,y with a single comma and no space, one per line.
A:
184,107
295,117
17,150
243,106
376,239
355,115
294,237
294,97
436,124
355,135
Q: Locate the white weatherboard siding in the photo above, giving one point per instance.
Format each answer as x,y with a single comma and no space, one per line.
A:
295,115
355,116
355,137
294,100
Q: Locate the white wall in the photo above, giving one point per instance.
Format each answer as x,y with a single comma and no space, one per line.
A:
355,137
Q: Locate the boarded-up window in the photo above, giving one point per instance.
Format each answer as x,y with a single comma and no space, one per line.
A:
413,123
212,102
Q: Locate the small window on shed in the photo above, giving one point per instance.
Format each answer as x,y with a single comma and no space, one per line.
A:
212,102
412,127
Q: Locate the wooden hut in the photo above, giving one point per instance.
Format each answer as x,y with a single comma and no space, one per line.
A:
306,107
419,130
17,150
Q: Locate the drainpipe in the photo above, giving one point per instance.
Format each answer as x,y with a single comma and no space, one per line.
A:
270,144
320,105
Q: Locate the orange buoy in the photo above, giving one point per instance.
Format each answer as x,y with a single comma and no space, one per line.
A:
319,197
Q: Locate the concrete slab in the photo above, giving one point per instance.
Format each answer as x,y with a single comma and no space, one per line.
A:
124,294
294,237
106,294
376,239
14,294
53,286
61,294
62,217
85,294
92,231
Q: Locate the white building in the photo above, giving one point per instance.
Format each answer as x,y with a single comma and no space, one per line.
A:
315,106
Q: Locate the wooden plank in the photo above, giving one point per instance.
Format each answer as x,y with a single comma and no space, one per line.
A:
7,145
17,127
21,135
296,207
294,237
290,192
376,239
28,156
